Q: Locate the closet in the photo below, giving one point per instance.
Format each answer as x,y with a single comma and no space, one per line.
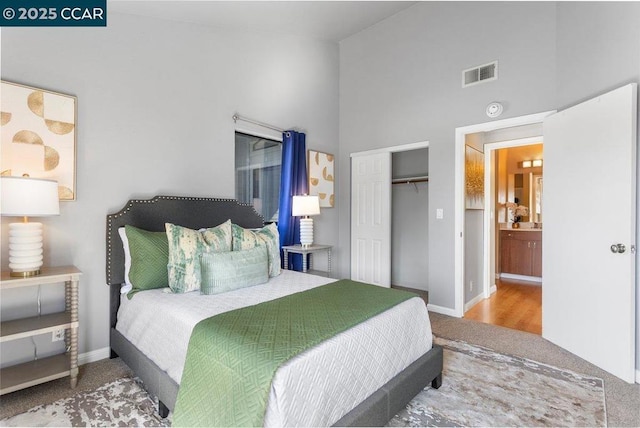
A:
389,216
409,219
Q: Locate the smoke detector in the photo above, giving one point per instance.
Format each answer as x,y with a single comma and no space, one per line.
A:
494,109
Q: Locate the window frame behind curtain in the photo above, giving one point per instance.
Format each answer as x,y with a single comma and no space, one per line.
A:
263,176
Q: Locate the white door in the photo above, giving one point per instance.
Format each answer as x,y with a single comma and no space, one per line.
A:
588,295
371,218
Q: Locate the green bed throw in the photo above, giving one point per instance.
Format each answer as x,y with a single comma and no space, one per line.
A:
232,357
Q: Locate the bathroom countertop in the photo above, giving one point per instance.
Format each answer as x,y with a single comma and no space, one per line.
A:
528,229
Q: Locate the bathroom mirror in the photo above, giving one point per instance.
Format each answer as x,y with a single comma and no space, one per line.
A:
518,179
537,198
527,191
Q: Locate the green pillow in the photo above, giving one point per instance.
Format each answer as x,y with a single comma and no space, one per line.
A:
228,271
149,254
186,246
244,239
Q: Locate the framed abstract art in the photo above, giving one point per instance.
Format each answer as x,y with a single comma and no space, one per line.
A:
38,134
321,177
474,178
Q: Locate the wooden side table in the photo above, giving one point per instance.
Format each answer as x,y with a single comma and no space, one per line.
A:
42,370
310,251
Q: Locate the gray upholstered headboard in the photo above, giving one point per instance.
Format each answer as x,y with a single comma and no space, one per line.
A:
152,214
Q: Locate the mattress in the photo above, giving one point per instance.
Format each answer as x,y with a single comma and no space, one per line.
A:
315,388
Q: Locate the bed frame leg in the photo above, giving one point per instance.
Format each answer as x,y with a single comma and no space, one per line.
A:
112,354
163,410
437,382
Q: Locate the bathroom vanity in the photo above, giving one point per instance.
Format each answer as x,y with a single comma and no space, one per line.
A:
521,252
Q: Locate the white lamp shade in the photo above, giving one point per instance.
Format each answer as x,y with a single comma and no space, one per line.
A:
29,197
305,205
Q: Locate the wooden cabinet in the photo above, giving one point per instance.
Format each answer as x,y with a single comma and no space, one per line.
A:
19,376
521,252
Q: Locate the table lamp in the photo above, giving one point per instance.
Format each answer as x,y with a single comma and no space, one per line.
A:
305,206
27,197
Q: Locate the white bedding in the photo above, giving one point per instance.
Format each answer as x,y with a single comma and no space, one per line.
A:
315,388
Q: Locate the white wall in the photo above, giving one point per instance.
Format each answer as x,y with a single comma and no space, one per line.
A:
400,82
474,235
155,100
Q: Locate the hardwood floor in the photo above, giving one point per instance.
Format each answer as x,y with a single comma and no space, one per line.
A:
516,305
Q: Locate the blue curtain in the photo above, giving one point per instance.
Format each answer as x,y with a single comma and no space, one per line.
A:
293,181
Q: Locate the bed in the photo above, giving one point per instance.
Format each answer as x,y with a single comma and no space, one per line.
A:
408,367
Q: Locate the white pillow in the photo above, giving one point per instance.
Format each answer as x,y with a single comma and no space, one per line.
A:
126,286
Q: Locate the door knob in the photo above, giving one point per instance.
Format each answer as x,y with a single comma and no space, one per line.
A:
618,248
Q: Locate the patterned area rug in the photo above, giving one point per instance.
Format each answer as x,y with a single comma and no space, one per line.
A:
119,403
483,388
480,388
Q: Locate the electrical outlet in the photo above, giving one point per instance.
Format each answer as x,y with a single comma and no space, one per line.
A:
470,285
57,336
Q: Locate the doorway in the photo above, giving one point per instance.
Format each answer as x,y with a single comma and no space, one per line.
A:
524,130
582,270
513,173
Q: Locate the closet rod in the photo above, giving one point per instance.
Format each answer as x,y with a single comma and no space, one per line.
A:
410,180
236,117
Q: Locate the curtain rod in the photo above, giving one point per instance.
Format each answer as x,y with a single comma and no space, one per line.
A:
236,117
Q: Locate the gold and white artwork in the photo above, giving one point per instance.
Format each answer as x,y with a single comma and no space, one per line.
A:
321,177
38,131
474,178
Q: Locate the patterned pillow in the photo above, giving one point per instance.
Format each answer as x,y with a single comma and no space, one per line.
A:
244,239
149,252
186,246
228,271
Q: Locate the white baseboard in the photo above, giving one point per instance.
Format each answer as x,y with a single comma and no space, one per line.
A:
493,289
638,376
442,310
91,356
472,302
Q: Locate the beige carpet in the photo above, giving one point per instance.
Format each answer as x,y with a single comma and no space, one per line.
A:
91,377
480,388
122,403
622,399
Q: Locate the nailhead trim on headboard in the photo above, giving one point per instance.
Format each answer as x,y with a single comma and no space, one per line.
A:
251,212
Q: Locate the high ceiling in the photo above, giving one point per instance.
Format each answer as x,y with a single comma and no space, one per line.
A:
324,20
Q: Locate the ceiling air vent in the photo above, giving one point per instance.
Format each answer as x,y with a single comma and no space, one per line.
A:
479,74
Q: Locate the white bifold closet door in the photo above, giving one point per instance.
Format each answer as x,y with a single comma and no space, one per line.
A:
371,218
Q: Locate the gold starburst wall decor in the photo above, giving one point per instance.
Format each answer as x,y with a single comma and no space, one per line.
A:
474,178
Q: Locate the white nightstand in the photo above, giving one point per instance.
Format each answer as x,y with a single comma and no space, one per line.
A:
42,370
310,251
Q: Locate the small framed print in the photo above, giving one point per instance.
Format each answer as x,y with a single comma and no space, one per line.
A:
321,177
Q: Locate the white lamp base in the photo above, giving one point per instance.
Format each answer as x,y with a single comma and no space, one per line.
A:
306,231
25,249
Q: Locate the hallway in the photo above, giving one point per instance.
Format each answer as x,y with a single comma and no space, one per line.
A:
516,305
